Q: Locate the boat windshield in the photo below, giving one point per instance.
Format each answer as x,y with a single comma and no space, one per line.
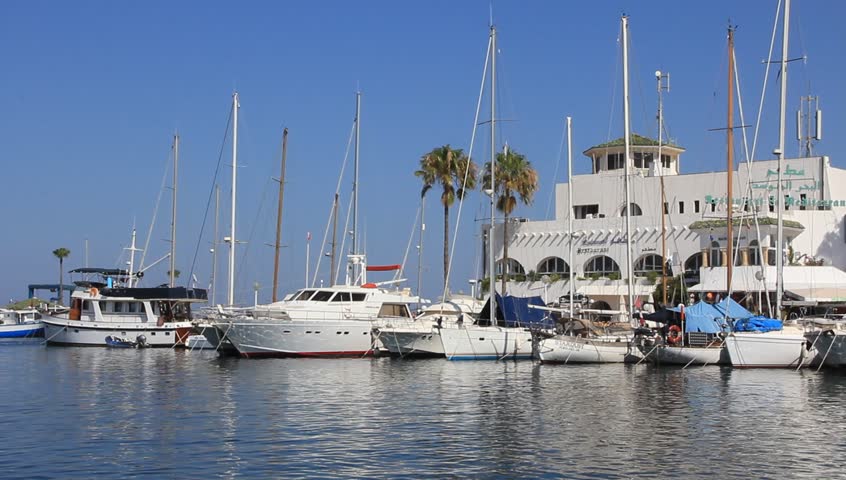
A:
304,295
341,297
322,296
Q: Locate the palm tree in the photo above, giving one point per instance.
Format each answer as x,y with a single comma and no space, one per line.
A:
515,178
61,253
448,168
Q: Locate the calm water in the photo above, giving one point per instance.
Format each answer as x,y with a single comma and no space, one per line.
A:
111,413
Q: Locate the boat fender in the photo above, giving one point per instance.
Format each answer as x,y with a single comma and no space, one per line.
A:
674,334
94,291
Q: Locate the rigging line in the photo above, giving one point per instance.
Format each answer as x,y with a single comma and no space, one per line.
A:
640,90
332,212
155,211
211,194
399,272
245,251
617,62
766,78
344,239
467,171
555,175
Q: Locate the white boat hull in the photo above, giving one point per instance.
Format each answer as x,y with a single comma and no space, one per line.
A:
770,349
567,349
267,337
486,343
58,331
422,341
22,330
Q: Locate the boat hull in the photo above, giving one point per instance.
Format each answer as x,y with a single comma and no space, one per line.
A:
86,334
423,341
267,337
582,350
486,343
677,355
22,330
215,335
768,350
830,347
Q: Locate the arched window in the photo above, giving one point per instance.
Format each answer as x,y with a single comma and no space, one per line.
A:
513,268
647,264
635,209
602,266
693,263
715,257
554,265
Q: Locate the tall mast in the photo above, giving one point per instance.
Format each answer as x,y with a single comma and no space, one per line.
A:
355,183
627,128
231,287
659,77
420,246
277,245
132,249
491,259
570,209
214,244
173,211
780,154
730,162
332,277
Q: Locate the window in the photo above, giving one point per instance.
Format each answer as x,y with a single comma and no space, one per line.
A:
693,263
513,267
585,211
716,255
787,202
633,208
616,161
696,206
647,264
754,253
643,160
713,206
341,297
554,265
86,306
133,307
601,266
596,164
118,307
665,161
358,297
772,203
304,295
681,207
803,201
393,310
322,296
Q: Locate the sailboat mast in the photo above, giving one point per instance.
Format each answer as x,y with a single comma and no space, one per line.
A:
354,267
420,246
173,211
214,244
332,277
491,255
730,163
659,76
780,153
570,210
277,245
627,129
231,286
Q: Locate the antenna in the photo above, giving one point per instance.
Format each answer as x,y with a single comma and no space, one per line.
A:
809,107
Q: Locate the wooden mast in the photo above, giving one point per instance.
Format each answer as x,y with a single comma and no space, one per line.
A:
277,245
730,162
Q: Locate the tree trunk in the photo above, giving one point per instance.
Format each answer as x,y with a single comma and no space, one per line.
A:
446,244
61,282
504,252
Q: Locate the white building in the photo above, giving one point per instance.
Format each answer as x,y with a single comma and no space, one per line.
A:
696,204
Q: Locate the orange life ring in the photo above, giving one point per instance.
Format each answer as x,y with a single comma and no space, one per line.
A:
93,291
674,334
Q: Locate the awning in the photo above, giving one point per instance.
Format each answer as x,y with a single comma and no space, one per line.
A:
822,284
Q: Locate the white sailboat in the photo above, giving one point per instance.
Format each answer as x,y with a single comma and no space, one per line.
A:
489,338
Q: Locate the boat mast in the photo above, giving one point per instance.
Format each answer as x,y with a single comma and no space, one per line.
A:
355,184
214,244
132,249
627,129
231,287
659,77
277,245
570,210
491,257
420,246
730,162
332,276
780,155
173,211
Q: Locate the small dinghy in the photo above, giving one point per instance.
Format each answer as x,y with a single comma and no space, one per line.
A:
121,342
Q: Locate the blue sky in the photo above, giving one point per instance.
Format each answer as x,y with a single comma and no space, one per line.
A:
93,92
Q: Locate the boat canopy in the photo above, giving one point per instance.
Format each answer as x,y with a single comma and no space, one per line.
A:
702,317
515,312
108,272
158,293
733,310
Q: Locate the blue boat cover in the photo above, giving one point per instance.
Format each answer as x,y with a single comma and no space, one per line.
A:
757,324
515,312
702,317
731,309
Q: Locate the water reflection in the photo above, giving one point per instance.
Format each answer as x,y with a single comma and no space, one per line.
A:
168,413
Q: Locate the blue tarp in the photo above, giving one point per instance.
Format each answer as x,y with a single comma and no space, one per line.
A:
515,312
702,317
731,309
757,324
